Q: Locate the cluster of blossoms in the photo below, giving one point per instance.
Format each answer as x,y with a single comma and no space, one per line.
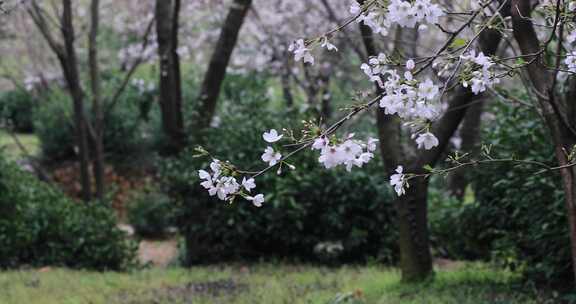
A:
399,181
349,153
403,13
482,75
220,180
226,187
302,51
404,95
379,18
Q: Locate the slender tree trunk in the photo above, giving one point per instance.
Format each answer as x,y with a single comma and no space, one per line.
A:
95,84
219,63
325,95
470,134
167,12
285,81
70,67
66,55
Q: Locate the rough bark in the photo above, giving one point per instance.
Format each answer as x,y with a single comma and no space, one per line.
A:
561,127
95,84
216,72
166,14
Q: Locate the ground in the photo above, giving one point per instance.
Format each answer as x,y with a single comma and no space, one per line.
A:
30,142
263,283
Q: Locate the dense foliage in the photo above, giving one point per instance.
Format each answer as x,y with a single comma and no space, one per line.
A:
130,132
151,214
518,217
39,226
309,214
16,108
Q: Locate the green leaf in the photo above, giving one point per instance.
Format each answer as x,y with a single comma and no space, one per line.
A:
458,42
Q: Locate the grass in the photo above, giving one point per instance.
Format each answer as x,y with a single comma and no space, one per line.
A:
270,284
11,149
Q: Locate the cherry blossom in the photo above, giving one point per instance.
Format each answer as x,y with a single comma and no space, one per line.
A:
427,141
398,181
272,136
257,200
248,184
482,77
270,156
301,52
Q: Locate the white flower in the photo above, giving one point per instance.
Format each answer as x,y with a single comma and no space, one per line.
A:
257,200
319,143
427,141
204,174
215,166
270,156
248,184
355,8
301,52
482,77
272,136
427,90
371,145
364,158
329,46
410,65
331,156
398,180
350,149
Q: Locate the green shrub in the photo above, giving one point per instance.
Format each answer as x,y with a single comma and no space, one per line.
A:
39,226
16,108
518,218
128,133
304,208
151,214
53,124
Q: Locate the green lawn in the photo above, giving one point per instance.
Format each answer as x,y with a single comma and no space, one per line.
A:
473,283
11,149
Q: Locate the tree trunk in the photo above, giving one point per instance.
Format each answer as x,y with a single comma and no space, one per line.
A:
470,134
415,255
553,111
414,243
70,66
285,81
66,55
167,12
219,63
98,133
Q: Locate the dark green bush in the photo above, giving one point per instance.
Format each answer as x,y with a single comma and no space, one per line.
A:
518,217
151,214
39,226
304,208
128,135
16,108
